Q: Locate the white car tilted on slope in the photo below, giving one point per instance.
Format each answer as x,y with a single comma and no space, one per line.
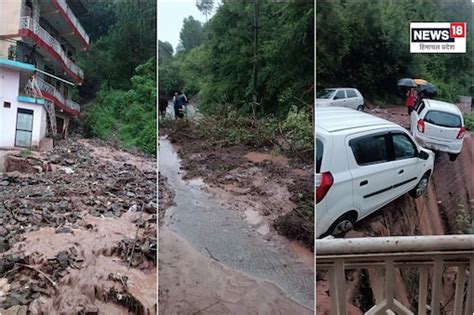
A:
363,163
438,126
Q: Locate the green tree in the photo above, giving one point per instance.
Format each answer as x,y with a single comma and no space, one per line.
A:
371,52
165,52
113,57
192,34
205,6
100,16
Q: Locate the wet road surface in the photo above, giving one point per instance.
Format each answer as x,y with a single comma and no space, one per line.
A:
225,236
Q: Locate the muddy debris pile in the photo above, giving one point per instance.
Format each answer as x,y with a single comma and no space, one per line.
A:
71,181
141,252
58,189
23,283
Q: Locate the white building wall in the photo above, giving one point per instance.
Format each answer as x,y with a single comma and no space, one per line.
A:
9,22
9,87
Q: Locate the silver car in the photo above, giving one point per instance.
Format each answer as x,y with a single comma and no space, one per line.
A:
342,97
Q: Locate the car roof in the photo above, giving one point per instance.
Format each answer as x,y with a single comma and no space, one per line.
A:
340,88
442,106
333,119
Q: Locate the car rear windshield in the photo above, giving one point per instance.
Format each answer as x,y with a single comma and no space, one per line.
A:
319,155
443,119
327,93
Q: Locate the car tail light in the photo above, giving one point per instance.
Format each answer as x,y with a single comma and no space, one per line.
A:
325,183
461,133
421,126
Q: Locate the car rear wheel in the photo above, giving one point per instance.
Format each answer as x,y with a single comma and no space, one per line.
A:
342,225
420,189
453,157
360,108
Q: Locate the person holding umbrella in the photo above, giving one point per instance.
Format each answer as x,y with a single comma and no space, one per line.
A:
411,100
407,88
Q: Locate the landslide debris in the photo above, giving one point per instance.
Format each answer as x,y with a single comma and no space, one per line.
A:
68,214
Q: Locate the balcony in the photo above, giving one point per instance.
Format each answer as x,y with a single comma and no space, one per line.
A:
53,46
443,266
50,92
73,19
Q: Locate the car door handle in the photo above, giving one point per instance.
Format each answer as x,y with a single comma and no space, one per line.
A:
364,182
401,171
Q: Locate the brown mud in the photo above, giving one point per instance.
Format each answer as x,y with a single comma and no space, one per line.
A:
227,245
446,208
78,231
205,286
278,188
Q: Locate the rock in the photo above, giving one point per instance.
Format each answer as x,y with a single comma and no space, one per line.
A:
17,299
63,229
15,310
25,211
37,168
4,245
63,259
3,231
4,183
55,159
91,310
66,170
69,162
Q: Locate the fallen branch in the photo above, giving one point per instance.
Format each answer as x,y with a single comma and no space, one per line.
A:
209,306
136,237
210,254
41,273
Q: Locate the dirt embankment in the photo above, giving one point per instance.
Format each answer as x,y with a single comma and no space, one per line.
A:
446,208
78,232
165,196
274,186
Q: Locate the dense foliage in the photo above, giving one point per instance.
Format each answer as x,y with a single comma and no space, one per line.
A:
220,70
365,44
128,115
120,72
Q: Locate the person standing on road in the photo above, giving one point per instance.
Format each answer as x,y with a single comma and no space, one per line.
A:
411,99
178,106
163,104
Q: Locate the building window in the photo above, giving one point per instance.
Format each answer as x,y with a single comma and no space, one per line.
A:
7,104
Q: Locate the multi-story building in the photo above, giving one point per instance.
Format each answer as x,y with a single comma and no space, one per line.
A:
39,40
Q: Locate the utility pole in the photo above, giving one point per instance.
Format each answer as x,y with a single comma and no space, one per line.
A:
255,52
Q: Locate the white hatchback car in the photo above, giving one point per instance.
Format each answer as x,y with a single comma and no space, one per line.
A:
438,126
363,163
342,97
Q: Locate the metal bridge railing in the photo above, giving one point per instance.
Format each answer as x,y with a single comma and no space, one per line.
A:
386,256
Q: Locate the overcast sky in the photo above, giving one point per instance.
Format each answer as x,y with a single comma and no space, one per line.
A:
171,14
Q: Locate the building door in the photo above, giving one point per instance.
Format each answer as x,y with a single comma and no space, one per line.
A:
60,126
24,128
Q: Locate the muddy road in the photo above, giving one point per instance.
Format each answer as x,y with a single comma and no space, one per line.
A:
78,232
243,265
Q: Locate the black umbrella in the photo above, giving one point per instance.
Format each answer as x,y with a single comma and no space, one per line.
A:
427,90
406,83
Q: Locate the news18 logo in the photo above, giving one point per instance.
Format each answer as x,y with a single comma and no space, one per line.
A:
438,37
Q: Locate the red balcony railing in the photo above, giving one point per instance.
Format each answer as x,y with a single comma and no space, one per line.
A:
52,45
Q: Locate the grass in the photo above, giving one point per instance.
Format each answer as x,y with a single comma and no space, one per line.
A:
26,153
233,128
469,121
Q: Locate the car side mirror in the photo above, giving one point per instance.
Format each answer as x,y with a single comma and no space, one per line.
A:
423,155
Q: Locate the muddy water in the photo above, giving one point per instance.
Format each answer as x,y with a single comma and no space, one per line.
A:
223,235
88,286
